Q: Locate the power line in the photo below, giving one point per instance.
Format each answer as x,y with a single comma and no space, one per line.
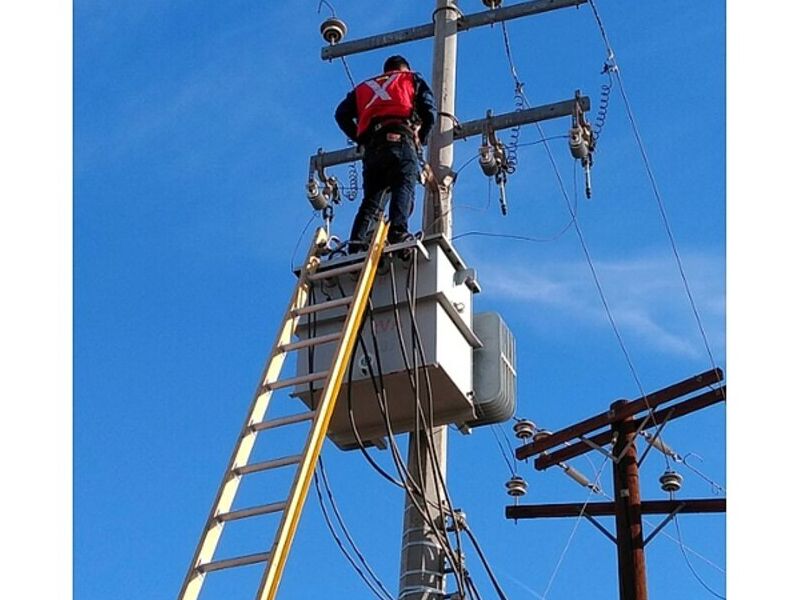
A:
614,68
691,568
574,530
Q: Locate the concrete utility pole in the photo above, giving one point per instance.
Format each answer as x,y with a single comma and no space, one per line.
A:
421,556
422,563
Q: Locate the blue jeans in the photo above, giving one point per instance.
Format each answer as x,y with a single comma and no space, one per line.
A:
391,166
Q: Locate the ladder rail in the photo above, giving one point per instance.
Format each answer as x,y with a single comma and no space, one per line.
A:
212,530
324,411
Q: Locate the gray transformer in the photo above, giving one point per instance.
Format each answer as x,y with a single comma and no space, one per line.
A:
471,370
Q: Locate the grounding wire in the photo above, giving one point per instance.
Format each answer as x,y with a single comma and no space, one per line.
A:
614,67
689,564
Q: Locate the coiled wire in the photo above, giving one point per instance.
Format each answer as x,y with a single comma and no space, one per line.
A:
513,143
605,97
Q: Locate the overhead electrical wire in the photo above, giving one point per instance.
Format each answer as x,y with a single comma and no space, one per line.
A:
574,530
614,68
585,248
689,564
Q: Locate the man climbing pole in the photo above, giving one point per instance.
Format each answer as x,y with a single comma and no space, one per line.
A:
390,115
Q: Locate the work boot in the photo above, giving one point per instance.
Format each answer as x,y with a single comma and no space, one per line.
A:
356,246
397,237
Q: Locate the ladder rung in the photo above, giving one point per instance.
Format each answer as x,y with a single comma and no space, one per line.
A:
312,308
275,463
264,509
297,380
281,421
314,341
335,272
228,563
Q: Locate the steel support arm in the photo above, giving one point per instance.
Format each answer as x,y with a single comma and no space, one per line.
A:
606,509
420,32
321,159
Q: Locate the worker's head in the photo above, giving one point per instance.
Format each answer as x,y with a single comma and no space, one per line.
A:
396,63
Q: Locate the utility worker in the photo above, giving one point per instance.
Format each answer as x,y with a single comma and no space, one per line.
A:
390,115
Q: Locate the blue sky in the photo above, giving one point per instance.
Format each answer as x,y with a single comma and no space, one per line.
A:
193,123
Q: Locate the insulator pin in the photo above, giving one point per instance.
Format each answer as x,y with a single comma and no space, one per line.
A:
524,429
333,30
492,4
671,481
516,486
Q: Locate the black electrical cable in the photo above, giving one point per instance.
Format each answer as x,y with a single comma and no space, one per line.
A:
443,540
340,544
345,530
500,593
432,447
689,564
312,326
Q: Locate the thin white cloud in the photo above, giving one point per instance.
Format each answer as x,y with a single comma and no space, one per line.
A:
645,295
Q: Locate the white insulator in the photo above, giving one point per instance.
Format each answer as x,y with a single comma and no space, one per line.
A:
333,30
576,475
541,434
316,196
516,486
488,161
524,429
671,481
577,144
659,444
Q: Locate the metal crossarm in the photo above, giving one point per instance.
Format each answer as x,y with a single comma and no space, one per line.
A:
221,512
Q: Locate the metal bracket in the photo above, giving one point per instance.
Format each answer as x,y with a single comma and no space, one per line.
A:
599,526
655,436
663,523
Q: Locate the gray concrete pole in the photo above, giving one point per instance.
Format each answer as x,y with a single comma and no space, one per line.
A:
422,558
438,217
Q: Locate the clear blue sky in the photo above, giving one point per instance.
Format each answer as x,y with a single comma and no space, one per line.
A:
193,124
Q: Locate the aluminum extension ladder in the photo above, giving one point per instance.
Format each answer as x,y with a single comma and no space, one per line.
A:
238,467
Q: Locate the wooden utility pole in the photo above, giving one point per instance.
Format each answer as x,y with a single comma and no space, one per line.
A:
627,504
628,507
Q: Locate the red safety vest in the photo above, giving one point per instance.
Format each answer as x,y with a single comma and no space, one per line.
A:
388,95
